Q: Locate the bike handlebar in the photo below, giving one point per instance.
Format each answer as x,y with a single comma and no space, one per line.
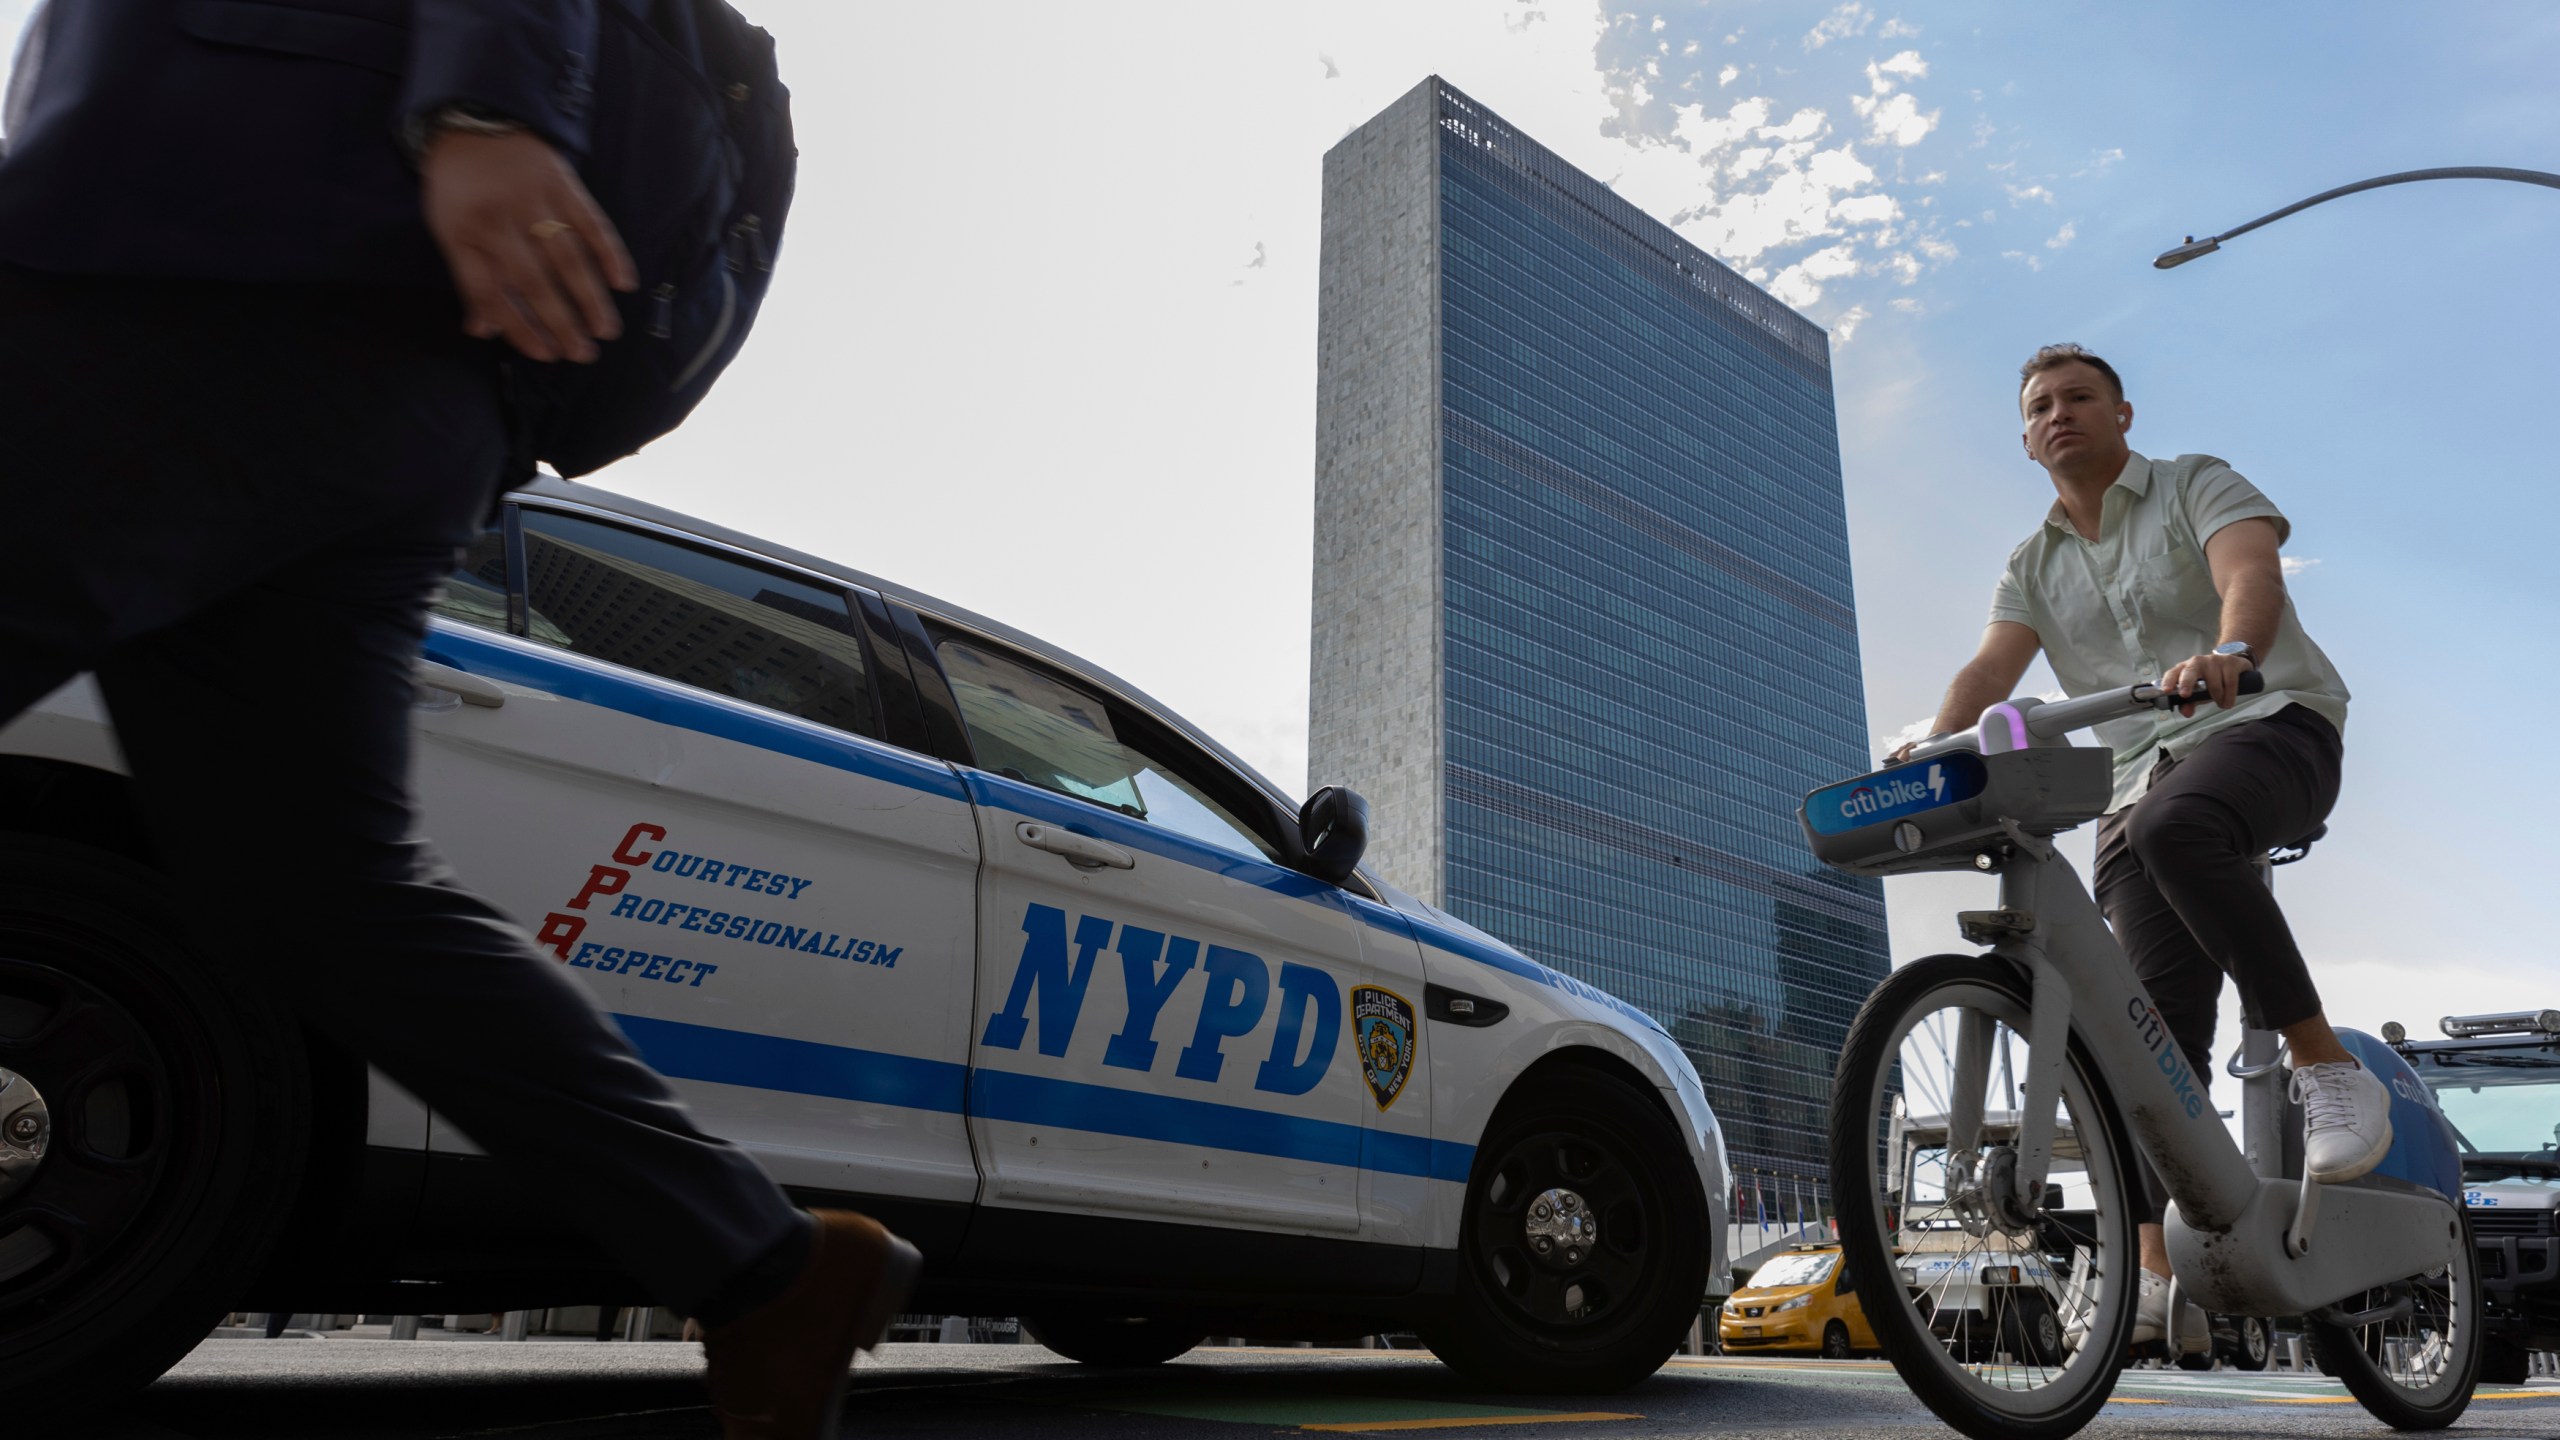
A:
2060,718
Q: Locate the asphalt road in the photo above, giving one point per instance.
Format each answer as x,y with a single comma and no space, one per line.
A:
349,1389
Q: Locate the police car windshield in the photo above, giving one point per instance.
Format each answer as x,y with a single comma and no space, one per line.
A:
2502,1110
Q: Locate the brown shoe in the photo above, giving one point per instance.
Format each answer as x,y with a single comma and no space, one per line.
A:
777,1373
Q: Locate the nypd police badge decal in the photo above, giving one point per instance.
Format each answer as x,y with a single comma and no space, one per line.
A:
1382,1026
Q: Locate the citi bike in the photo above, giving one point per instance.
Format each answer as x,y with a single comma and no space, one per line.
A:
2044,1062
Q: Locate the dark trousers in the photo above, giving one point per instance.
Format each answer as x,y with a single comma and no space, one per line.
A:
234,504
2178,880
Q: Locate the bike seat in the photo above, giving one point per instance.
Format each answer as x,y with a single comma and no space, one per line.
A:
2288,853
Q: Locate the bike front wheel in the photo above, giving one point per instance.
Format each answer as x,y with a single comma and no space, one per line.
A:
2009,1323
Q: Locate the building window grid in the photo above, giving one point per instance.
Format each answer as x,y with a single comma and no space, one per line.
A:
1577,644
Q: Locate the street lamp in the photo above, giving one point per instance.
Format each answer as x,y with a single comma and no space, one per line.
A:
2194,248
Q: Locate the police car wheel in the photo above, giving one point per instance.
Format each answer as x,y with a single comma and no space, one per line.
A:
1582,1254
1113,1341
2252,1345
172,1128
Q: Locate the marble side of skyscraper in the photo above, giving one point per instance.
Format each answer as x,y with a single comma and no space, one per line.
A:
1583,627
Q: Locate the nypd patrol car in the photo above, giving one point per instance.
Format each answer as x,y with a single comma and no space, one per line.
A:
938,922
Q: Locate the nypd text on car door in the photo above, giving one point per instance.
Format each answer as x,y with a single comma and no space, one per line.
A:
1166,1012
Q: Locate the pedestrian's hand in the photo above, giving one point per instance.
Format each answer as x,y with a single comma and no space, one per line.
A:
2218,676
530,252
1900,753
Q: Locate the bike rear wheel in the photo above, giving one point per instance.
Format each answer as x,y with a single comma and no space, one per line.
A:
2413,1371
1964,1296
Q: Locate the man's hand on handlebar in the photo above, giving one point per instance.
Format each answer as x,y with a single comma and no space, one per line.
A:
2218,676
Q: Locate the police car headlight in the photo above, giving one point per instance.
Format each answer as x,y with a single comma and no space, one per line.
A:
1797,1303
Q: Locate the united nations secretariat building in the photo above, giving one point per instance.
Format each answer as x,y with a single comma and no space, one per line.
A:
1583,629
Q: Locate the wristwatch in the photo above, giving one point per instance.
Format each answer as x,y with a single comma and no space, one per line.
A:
2239,648
463,117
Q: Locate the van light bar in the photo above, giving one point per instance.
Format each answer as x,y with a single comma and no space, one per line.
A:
2000,1275
2512,1022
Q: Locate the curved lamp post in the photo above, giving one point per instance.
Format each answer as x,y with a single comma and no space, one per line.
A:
2176,256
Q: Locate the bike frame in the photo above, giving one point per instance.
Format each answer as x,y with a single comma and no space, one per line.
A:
2241,1233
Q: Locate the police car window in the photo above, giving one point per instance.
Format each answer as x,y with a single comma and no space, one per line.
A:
696,618
1031,725
476,592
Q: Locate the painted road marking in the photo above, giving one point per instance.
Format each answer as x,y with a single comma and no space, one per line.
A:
1454,1422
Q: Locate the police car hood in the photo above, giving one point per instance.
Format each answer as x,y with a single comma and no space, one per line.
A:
2513,1192
1437,927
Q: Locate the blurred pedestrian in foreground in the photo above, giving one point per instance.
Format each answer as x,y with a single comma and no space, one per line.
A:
259,266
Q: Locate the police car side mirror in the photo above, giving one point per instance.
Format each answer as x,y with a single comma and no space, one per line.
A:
1333,827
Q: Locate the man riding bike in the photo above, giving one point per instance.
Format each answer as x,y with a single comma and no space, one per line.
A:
2166,570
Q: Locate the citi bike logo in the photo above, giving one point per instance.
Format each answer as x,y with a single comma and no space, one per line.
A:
2172,1063
1873,800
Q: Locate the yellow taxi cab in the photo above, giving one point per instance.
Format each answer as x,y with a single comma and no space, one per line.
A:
1801,1300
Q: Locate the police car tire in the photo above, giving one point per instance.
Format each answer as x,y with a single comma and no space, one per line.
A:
1483,1333
2503,1362
1114,1342
217,1100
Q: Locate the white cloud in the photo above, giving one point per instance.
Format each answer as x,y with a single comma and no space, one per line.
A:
1845,327
1905,304
2099,163
2062,238
1913,733
1895,119
1727,74
1850,19
2033,262
1908,65
2295,565
1897,28
2021,194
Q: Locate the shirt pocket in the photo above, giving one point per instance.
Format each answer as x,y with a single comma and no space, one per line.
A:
2176,588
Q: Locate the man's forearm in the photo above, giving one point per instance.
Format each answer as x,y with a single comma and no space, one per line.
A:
2251,606
1976,688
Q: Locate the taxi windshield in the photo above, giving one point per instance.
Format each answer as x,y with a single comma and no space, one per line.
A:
1803,1268
2501,1104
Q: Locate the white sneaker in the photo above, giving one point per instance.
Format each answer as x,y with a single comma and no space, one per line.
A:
2346,1120
2151,1311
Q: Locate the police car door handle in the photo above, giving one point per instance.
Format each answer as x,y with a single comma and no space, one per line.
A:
1082,851
471,688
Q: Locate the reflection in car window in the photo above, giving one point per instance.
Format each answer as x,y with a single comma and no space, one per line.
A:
696,618
1036,727
476,592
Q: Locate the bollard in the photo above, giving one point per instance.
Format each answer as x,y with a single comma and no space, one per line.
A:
404,1327
2293,1352
516,1325
638,1322
955,1330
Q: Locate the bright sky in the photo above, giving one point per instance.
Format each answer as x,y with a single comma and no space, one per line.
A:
1042,342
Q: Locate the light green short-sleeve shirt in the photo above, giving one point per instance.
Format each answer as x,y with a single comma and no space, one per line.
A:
2121,609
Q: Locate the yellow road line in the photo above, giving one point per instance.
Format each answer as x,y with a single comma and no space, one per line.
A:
1459,1422
2132,1400
2515,1394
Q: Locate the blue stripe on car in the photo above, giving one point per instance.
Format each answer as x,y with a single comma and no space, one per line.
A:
806,1067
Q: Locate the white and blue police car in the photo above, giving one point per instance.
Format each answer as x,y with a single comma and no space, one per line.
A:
938,922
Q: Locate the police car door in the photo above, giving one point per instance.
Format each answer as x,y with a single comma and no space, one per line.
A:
1164,1010
680,792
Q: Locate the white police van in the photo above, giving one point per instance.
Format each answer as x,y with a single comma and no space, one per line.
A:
939,923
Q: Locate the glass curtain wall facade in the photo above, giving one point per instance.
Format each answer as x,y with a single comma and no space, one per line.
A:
1646,646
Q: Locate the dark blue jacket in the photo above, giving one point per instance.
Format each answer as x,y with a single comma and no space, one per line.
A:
261,139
